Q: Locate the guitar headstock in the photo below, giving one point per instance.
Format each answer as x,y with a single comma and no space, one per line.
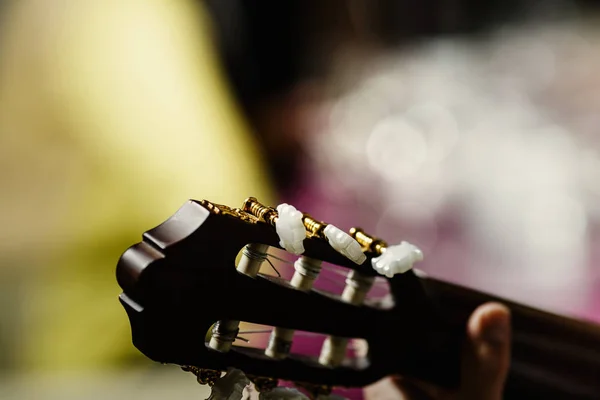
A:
182,279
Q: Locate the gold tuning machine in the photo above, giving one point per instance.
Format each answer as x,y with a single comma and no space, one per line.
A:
314,227
367,242
262,212
254,211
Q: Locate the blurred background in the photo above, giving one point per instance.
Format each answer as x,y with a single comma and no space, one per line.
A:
470,128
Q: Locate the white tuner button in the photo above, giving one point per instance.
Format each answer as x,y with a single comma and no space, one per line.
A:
290,229
344,244
397,259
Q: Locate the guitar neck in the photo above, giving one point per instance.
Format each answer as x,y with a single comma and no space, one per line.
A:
552,356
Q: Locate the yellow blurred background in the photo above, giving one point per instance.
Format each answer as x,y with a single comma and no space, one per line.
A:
112,114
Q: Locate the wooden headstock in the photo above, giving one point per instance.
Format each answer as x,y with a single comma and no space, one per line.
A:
182,278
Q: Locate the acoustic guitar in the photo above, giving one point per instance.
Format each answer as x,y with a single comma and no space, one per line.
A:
199,272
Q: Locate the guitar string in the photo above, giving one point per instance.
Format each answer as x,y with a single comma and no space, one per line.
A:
332,269
259,256
280,259
337,271
273,266
328,268
321,276
297,333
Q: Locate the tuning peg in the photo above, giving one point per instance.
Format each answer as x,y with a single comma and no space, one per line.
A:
397,259
344,244
355,292
280,341
225,332
293,227
290,228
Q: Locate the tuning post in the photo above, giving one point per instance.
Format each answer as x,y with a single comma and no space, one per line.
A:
357,287
253,256
390,260
306,272
225,332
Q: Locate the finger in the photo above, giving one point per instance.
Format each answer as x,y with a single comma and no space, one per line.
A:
384,389
396,389
487,353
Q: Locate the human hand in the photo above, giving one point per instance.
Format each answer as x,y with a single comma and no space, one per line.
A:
486,360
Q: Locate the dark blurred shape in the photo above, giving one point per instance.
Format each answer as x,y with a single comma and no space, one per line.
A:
270,49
